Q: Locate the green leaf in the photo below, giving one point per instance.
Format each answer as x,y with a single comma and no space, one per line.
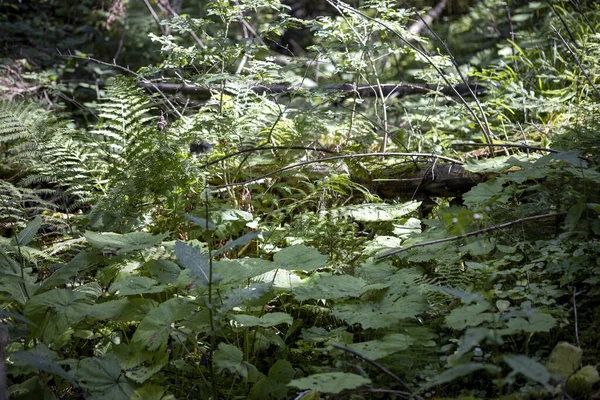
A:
28,233
102,377
300,257
376,316
41,362
123,243
242,241
202,223
242,269
108,310
282,371
65,273
389,344
149,392
379,212
266,321
470,315
230,358
474,337
458,372
330,287
190,257
56,311
164,271
332,382
484,193
134,285
530,368
535,322
153,332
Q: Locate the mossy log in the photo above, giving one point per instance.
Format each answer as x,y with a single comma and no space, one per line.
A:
417,180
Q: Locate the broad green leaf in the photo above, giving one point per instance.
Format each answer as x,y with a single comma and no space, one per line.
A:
149,392
123,243
103,378
164,271
374,316
202,223
40,362
474,337
282,371
469,315
300,257
330,287
458,372
56,311
190,257
530,368
230,358
65,273
242,269
134,285
153,363
485,193
479,247
153,332
536,322
28,233
389,344
242,241
332,382
107,310
266,321
379,212
486,165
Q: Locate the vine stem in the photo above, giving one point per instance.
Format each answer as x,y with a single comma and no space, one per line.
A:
474,233
213,338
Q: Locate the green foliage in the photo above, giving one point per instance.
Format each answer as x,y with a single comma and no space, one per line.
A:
133,266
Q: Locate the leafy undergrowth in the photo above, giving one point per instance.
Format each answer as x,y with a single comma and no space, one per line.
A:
136,263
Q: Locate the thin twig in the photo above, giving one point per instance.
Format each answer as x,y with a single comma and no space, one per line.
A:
155,17
358,155
434,65
575,313
587,77
487,131
122,68
378,366
474,233
432,14
242,151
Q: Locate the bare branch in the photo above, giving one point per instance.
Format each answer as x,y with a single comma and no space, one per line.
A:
474,233
432,14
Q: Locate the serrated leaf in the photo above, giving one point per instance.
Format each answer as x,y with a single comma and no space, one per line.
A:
123,243
389,344
282,371
28,233
528,367
190,257
39,361
330,287
202,223
242,269
242,241
230,358
332,382
102,377
300,257
107,310
153,332
458,372
266,321
134,285
65,273
379,212
469,315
